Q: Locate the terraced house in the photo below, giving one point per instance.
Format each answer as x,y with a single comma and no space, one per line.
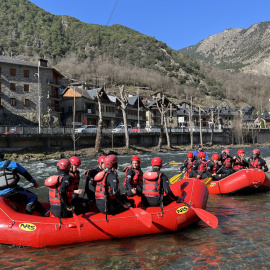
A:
29,90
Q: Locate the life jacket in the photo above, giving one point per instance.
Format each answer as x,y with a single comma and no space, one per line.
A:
255,163
137,178
189,165
76,181
238,164
151,184
8,178
202,166
226,162
54,183
101,188
214,168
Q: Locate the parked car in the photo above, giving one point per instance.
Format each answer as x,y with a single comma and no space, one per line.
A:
152,129
121,129
177,129
12,130
87,129
136,129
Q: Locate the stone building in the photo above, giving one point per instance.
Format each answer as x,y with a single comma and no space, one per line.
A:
22,98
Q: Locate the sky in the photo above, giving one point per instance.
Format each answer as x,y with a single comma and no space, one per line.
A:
178,23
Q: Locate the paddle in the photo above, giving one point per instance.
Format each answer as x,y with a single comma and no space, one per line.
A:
205,216
175,163
143,216
207,181
175,178
77,222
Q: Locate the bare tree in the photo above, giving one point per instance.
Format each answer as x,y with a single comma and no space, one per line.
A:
123,105
100,124
163,108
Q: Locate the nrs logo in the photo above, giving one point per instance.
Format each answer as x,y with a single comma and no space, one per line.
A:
27,227
182,210
212,184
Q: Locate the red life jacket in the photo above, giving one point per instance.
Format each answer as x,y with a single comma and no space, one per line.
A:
227,162
76,181
215,168
100,192
189,165
137,178
202,166
54,183
255,163
151,184
238,164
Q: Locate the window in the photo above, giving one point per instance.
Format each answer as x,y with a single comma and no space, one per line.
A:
13,101
0,87
26,87
0,102
12,86
12,72
26,73
26,102
0,71
70,108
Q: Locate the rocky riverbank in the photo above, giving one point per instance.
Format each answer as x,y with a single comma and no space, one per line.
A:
34,154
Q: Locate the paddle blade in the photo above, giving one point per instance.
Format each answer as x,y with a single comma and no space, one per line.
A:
175,163
207,181
77,223
207,217
175,178
143,216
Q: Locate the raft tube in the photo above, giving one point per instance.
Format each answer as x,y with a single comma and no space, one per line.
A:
243,182
36,231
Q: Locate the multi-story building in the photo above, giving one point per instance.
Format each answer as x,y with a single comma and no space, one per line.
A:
85,103
29,90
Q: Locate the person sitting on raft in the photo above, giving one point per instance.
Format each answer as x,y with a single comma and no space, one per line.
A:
81,205
61,190
155,183
9,187
213,168
133,177
227,163
239,161
90,183
198,169
196,153
256,161
188,163
108,197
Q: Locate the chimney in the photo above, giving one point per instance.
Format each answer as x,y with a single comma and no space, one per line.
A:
42,62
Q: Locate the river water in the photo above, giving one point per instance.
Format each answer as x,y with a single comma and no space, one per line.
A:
241,241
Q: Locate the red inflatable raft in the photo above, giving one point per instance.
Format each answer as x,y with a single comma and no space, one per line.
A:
246,181
36,231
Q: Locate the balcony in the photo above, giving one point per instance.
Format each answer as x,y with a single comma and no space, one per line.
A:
54,96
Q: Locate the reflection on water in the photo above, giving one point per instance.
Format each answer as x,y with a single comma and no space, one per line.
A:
241,241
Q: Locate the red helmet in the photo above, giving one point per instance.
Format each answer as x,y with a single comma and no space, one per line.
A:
136,158
157,161
240,151
101,159
64,164
227,151
75,161
256,151
189,154
201,154
110,161
215,156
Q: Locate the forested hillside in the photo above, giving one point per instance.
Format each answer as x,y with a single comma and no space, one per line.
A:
111,55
